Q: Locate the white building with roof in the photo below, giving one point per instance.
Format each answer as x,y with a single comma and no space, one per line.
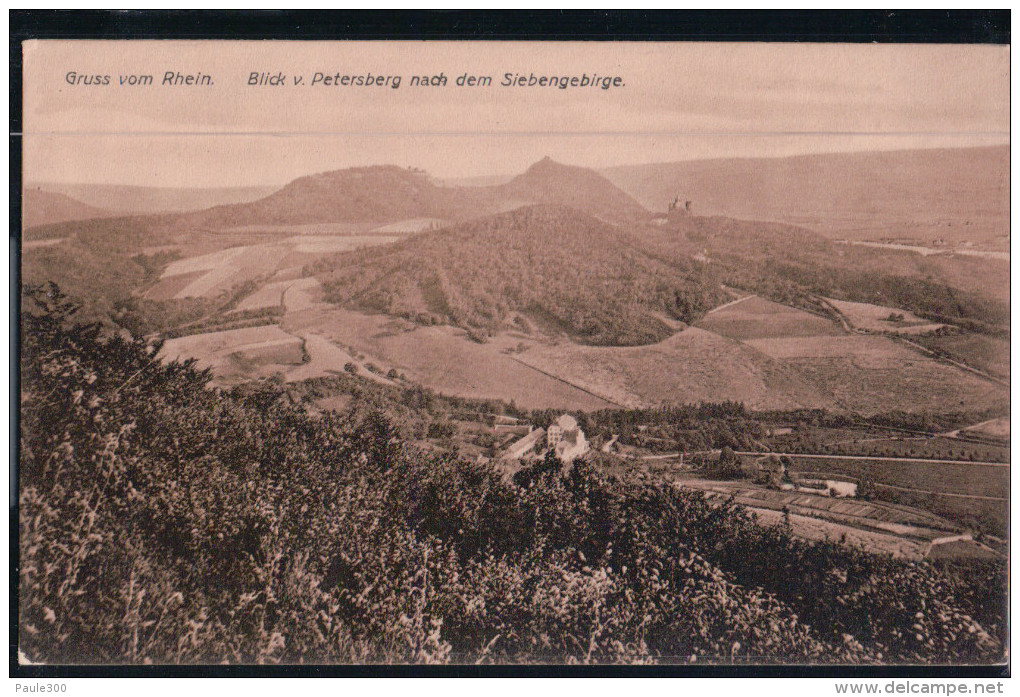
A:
566,439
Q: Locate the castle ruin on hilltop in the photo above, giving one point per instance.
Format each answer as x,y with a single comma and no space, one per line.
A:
679,207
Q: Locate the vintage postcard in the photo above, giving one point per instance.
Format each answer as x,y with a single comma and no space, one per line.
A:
415,352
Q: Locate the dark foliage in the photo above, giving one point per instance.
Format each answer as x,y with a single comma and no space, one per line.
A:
161,521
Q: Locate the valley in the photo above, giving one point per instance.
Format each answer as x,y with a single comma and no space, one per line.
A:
555,291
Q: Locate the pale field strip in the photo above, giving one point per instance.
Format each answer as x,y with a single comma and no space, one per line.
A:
731,303
866,351
269,295
879,458
36,244
211,343
204,262
873,318
208,282
225,267
411,225
992,427
324,244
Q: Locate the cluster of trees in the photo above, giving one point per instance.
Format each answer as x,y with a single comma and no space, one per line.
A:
161,521
236,320
910,447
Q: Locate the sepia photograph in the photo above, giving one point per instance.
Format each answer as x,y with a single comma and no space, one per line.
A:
511,353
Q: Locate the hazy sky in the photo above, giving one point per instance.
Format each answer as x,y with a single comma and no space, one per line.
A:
677,101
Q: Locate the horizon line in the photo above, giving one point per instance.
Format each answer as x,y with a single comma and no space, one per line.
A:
516,173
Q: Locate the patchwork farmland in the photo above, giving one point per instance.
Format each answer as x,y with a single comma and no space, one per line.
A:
209,275
959,490
691,366
874,525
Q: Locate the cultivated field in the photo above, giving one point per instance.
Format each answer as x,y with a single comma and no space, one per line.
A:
870,374
983,352
440,358
239,353
691,366
269,295
937,448
209,275
874,318
874,525
326,358
757,318
297,294
965,492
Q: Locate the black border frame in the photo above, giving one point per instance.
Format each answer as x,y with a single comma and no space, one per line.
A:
824,26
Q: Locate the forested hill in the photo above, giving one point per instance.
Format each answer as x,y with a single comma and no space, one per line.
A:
360,194
586,190
389,193
547,262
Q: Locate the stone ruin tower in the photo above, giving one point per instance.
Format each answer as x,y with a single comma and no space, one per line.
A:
679,207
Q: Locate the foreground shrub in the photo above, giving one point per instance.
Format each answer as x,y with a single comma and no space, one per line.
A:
161,521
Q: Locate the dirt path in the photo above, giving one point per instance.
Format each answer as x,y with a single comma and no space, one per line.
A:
939,493
731,303
567,382
877,458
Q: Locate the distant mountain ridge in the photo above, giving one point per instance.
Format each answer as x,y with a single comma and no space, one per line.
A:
39,207
584,189
959,194
123,199
388,193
